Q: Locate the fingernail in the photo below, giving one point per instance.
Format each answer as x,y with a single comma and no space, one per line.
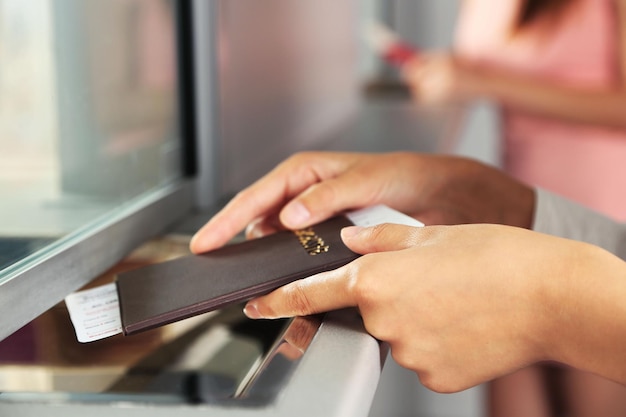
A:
193,241
351,231
254,232
252,312
196,244
296,214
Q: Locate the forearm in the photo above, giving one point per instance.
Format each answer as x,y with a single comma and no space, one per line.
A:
588,313
604,107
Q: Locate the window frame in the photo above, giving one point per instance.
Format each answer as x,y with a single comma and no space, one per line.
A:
35,284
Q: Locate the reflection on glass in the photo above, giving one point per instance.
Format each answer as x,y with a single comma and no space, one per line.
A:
88,113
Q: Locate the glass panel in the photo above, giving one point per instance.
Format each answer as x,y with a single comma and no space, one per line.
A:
88,113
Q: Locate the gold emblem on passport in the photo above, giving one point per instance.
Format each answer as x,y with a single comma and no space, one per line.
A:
311,242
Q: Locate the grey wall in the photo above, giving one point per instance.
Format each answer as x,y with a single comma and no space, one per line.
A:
287,76
430,24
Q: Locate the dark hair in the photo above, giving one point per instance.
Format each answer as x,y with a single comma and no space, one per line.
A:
533,9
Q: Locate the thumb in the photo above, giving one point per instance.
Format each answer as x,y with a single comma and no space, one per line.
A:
322,292
381,238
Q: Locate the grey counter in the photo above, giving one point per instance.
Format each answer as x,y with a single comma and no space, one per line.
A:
337,376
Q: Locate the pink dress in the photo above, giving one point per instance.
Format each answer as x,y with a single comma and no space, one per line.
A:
581,162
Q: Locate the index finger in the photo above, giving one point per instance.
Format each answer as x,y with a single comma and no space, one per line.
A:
317,294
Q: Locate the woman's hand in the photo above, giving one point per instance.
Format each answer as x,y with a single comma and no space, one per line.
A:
441,78
311,187
461,305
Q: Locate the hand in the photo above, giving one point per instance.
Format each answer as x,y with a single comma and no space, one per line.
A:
440,78
311,187
461,305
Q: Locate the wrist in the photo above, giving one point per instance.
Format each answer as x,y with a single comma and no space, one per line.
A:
583,319
494,197
487,83
475,80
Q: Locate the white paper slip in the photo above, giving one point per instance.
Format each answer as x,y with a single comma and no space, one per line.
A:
375,215
95,313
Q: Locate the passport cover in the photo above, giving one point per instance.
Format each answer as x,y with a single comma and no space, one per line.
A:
163,293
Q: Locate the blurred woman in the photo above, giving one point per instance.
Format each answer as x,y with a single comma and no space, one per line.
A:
557,68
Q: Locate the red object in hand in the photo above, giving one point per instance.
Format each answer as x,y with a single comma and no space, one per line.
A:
389,45
399,54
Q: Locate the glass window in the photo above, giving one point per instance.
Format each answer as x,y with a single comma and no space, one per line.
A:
89,115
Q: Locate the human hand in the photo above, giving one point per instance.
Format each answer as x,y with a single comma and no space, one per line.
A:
462,305
440,78
311,187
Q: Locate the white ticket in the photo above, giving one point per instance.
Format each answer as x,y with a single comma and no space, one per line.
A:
95,313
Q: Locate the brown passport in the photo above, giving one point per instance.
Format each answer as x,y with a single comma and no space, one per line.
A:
174,290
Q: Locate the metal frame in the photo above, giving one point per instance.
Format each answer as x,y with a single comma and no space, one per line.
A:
203,22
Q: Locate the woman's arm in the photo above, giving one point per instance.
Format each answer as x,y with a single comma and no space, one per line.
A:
605,107
310,187
621,16
444,77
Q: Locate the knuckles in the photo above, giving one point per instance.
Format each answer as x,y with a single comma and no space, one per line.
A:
433,374
362,282
364,285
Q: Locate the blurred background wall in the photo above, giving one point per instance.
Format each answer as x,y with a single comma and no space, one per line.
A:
285,81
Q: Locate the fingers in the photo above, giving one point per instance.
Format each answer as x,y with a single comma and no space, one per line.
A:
336,289
414,70
325,199
238,213
305,189
264,197
262,227
320,293
382,238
